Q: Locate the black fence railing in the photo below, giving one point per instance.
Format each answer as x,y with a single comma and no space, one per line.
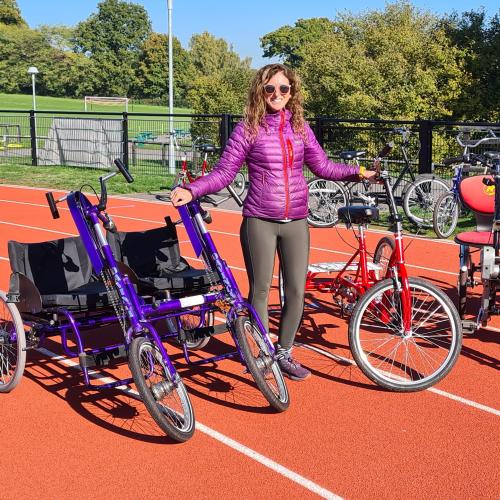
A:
147,146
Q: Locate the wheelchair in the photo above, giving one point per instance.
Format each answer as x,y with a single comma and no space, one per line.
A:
481,195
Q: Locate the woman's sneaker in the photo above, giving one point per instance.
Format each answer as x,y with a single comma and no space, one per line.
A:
291,368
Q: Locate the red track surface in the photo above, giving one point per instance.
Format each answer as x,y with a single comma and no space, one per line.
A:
341,436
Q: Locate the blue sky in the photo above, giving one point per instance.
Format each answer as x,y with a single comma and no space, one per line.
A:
240,22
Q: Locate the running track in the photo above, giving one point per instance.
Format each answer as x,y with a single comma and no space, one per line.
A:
341,437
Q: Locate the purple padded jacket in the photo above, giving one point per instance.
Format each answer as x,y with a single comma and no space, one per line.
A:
277,186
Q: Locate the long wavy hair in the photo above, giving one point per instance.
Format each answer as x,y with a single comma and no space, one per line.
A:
255,108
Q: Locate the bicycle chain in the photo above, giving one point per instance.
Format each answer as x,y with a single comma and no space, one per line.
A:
115,298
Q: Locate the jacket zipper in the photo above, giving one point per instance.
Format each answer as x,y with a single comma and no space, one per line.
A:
284,155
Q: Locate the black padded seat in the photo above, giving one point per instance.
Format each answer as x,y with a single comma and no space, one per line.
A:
351,155
55,273
154,257
358,214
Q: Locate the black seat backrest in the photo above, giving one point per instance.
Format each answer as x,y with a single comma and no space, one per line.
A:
151,253
54,266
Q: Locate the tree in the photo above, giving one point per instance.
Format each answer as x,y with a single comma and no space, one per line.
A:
10,14
222,78
396,63
480,37
288,42
112,39
152,72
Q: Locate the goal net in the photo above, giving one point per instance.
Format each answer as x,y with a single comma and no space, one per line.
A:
106,101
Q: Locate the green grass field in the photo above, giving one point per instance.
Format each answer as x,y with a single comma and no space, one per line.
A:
24,102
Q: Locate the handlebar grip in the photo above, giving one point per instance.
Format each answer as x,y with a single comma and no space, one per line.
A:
123,169
385,150
453,159
235,196
52,205
205,215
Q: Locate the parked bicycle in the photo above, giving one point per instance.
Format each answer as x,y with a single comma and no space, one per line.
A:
418,192
404,332
448,205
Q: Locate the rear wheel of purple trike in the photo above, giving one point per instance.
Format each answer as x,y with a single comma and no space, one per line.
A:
12,345
261,363
165,398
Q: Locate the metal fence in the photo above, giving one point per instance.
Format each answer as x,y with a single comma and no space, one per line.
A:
94,139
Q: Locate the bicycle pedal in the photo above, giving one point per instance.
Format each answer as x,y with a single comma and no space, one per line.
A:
469,326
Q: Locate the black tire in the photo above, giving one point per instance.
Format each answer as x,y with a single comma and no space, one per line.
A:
167,400
382,255
195,345
261,363
465,278
324,199
420,199
12,345
445,216
405,363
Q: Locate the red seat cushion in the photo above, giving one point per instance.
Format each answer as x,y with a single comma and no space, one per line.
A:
477,196
475,238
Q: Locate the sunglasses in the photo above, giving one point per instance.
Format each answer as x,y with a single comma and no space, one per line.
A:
284,89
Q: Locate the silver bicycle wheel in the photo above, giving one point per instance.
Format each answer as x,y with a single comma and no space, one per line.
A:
445,216
166,398
12,345
420,199
396,359
324,199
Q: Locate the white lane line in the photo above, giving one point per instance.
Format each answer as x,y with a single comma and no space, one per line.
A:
44,205
222,438
464,401
439,392
37,228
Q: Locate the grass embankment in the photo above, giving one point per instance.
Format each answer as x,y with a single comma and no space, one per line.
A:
68,178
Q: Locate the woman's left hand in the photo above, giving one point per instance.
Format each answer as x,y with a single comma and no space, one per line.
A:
371,176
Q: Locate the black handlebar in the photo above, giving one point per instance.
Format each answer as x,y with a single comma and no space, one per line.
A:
52,205
385,150
123,170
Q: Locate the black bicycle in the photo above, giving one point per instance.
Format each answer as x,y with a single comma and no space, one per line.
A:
418,193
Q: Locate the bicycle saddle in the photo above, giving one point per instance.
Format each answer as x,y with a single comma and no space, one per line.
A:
207,148
358,214
350,155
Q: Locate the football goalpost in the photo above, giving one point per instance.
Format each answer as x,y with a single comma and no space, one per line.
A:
106,101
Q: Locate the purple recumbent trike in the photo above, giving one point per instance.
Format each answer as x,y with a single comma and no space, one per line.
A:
72,286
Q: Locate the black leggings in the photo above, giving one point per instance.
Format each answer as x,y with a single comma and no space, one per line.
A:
260,238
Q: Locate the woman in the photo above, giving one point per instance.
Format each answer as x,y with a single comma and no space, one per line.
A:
275,141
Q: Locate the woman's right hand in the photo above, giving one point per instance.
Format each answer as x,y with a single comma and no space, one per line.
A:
180,196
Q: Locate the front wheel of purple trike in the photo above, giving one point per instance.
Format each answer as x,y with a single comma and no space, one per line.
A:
166,398
261,363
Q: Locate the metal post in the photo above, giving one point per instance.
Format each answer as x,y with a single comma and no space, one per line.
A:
125,139
34,153
425,155
171,150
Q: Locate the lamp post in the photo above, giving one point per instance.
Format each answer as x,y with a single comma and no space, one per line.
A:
171,151
32,70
